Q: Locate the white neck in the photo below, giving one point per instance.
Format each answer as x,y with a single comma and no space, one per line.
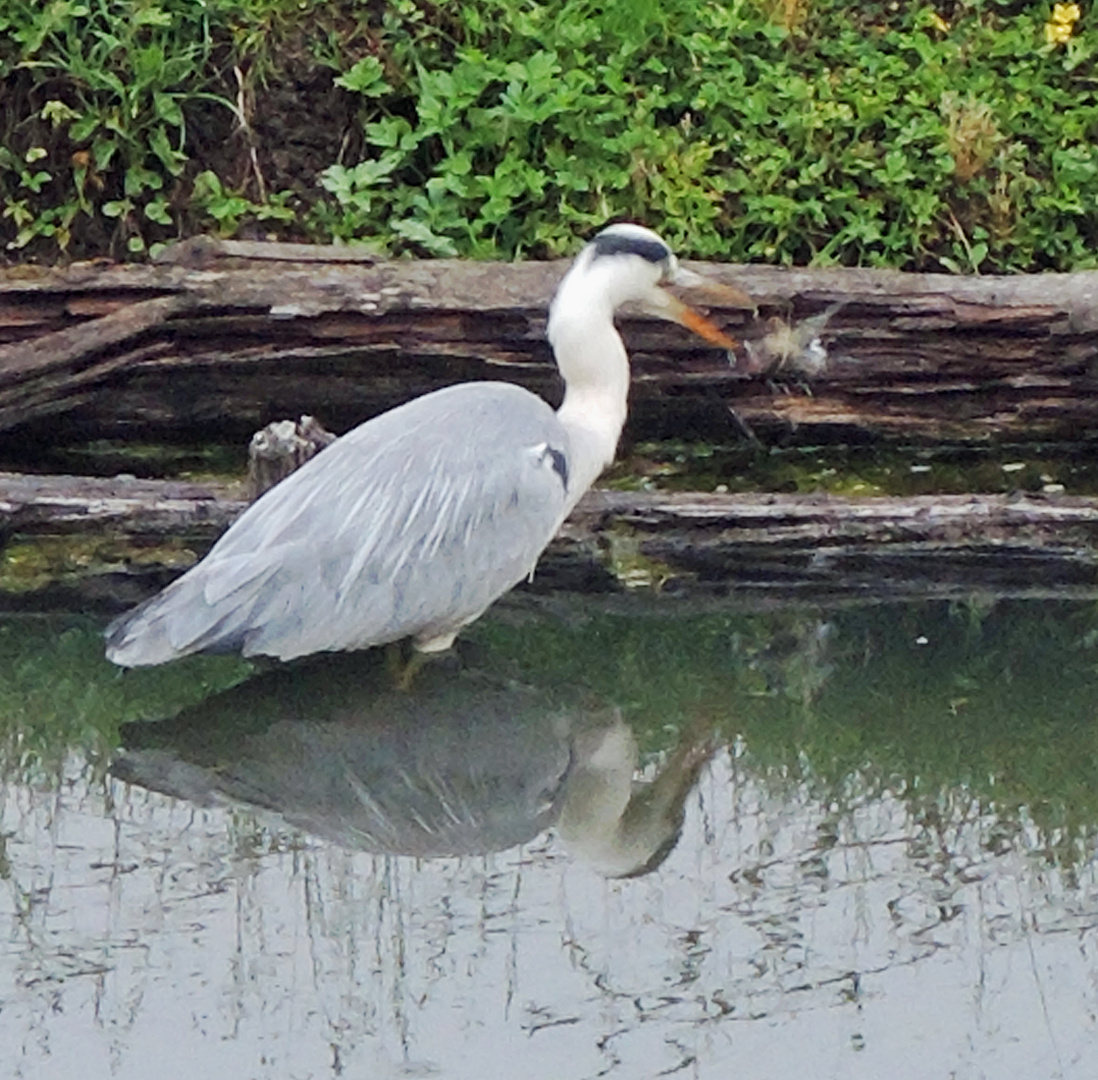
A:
595,368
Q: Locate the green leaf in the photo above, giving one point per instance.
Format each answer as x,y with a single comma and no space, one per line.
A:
166,107
157,210
207,185
392,132
81,129
138,179
148,64
172,160
151,16
34,182
57,112
421,235
366,77
103,151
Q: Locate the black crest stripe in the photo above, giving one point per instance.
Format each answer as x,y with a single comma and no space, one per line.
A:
609,243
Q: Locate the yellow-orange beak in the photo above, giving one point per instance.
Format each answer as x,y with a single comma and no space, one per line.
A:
713,292
667,306
682,313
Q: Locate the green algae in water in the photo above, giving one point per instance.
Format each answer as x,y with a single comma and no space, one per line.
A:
857,470
28,564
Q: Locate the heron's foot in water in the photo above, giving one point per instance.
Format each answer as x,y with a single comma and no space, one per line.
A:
405,662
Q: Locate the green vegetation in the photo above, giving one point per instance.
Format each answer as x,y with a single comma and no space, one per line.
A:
960,135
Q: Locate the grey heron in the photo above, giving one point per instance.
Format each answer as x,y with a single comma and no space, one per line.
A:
413,523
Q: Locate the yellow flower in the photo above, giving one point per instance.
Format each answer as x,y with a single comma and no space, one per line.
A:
938,22
1066,14
1061,24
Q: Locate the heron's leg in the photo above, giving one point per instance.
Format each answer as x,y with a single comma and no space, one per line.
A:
416,663
405,663
396,661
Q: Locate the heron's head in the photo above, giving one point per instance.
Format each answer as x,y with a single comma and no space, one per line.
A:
628,263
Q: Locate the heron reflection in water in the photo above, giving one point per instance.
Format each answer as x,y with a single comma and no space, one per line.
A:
465,766
413,523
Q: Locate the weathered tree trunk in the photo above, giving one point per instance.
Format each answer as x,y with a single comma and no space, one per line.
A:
219,342
762,548
124,507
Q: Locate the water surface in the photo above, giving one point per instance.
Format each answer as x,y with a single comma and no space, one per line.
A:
861,844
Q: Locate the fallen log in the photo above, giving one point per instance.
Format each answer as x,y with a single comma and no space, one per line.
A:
125,507
758,548
222,340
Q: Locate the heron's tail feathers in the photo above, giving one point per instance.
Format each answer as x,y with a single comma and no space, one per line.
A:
196,613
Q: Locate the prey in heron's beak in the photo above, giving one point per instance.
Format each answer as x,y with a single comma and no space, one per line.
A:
667,306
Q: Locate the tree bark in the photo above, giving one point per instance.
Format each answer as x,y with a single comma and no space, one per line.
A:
124,507
221,339
762,549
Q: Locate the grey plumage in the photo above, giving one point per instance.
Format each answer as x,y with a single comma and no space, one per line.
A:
399,559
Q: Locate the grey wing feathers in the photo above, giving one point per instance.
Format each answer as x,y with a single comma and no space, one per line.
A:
411,524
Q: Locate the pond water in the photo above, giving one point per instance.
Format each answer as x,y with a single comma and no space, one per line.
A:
629,839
